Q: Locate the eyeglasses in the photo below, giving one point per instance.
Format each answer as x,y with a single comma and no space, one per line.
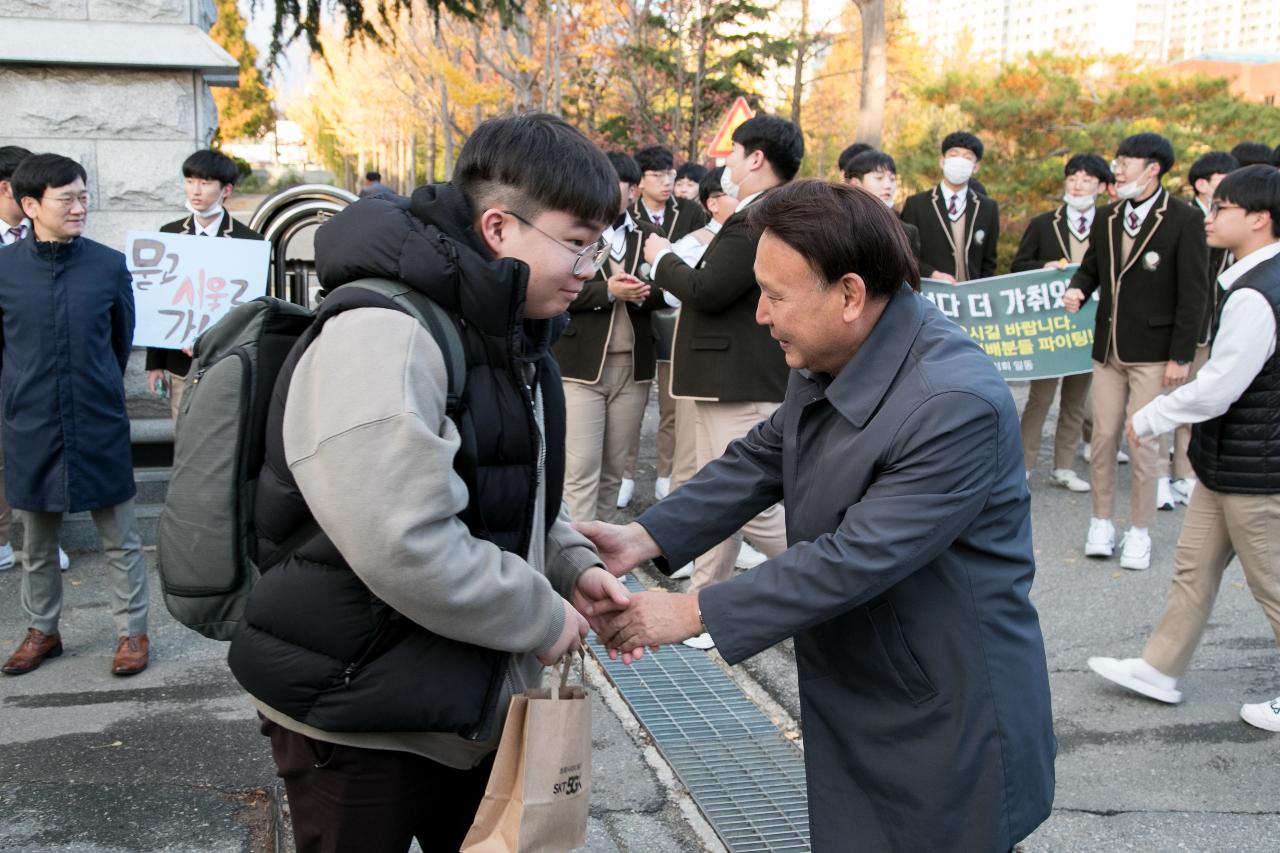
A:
668,175
1216,208
1123,164
586,262
66,201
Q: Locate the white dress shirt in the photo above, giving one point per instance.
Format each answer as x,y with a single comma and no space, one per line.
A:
1141,210
1246,340
6,238
961,197
210,230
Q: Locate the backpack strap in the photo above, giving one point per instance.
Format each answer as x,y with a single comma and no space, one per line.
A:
436,320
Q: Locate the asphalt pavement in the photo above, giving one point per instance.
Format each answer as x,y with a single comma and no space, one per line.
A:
171,759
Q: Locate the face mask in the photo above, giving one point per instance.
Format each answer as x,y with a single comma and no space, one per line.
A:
1079,202
957,170
727,185
214,210
1131,190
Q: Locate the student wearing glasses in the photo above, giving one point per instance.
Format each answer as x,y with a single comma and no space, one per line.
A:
1147,260
1231,407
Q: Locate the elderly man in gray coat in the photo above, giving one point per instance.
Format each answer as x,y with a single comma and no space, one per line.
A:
923,683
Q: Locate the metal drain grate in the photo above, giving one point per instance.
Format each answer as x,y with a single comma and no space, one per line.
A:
747,779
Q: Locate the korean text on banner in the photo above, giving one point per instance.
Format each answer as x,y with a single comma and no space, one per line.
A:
183,284
1020,321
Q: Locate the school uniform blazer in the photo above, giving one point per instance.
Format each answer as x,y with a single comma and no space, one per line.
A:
720,352
681,217
175,360
1152,304
1047,238
582,346
913,240
928,212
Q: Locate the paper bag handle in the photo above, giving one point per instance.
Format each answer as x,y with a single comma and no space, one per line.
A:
565,665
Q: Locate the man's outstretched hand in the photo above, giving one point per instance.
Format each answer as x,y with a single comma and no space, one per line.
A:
622,547
653,619
598,593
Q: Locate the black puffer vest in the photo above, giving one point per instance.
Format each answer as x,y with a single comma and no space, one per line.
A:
1238,452
315,643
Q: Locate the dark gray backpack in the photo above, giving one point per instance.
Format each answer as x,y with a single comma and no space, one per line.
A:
207,545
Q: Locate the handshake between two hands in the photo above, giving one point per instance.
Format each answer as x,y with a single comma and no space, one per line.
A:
627,623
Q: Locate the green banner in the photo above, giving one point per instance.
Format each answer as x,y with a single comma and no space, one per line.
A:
1020,321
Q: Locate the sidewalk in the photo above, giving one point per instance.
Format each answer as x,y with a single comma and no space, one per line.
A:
171,759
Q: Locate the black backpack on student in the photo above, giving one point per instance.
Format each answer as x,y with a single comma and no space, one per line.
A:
207,545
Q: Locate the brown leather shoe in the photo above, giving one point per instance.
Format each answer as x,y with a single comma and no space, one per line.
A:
36,646
131,655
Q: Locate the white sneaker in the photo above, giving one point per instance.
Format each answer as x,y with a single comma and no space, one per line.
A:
1122,457
661,487
1139,676
7,559
1182,490
625,491
64,562
748,557
1087,453
1164,494
685,571
1135,549
1070,480
702,641
1264,715
1102,538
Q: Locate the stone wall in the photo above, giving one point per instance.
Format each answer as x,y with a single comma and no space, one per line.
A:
131,128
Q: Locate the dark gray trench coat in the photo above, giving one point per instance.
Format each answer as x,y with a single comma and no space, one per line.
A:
923,683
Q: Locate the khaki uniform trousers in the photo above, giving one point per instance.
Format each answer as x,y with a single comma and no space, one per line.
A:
1217,527
601,419
1119,390
1071,417
718,425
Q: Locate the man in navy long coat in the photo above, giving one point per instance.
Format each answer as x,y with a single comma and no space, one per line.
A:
923,685
66,322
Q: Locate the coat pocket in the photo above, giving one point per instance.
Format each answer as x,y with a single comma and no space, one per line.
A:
894,646
1156,322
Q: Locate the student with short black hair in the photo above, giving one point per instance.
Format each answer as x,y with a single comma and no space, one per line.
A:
208,180
1147,260
688,177
722,358
1177,479
847,155
672,217
66,310
442,562
1232,412
877,173
1252,154
1053,240
606,358
959,226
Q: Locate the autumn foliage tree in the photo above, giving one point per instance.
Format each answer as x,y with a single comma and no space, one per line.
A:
246,111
